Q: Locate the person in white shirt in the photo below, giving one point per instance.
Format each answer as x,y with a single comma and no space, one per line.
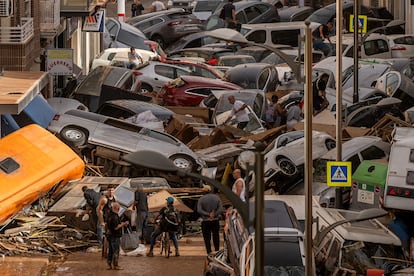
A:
134,58
238,110
239,186
157,6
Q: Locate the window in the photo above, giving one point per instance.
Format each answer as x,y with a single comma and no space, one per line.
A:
251,13
412,155
199,91
410,178
377,46
257,36
164,71
372,153
286,37
195,43
111,56
263,79
240,18
407,40
115,112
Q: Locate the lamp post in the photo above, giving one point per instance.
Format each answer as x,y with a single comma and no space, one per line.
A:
155,160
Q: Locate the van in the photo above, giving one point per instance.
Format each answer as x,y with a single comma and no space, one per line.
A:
274,34
33,163
399,189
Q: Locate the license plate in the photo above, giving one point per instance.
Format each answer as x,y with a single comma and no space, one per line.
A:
365,197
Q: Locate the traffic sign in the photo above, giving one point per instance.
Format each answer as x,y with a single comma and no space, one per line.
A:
362,26
339,174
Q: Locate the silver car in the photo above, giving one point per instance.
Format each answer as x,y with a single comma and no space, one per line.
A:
79,128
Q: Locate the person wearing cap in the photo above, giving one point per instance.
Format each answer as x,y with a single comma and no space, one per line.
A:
168,222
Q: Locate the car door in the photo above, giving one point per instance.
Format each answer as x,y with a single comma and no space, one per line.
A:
166,72
116,134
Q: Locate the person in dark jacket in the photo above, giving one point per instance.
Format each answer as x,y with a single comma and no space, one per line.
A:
209,207
114,236
136,8
141,205
319,35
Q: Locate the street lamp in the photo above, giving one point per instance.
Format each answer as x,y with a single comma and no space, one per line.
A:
155,160
366,214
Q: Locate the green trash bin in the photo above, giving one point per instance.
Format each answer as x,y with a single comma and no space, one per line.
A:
368,185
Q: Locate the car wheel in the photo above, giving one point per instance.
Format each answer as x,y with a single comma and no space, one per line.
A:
330,144
183,162
73,136
287,166
159,40
146,88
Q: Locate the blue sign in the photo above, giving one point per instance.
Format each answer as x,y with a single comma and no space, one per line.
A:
338,174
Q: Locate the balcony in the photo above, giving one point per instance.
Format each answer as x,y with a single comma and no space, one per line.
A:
71,8
49,16
20,34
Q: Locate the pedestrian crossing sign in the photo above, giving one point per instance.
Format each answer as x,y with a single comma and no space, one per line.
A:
362,23
338,174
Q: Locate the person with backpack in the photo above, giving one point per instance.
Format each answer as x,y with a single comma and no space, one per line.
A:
169,222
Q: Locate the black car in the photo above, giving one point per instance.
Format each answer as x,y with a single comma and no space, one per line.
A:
165,27
262,76
193,40
246,12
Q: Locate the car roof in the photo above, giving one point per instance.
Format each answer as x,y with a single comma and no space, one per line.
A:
280,25
129,28
136,19
276,214
135,105
287,12
349,38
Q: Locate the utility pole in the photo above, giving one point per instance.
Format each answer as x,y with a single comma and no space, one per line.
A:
121,10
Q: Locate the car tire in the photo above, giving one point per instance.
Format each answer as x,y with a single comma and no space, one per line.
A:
183,162
146,88
330,144
286,166
159,40
73,136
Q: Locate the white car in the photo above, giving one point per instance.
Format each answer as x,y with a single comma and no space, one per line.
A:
154,75
108,55
286,153
402,45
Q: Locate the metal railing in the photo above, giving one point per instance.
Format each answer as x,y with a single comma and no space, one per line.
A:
49,15
19,34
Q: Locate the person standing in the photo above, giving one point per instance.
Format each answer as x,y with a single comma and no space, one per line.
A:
319,35
239,186
136,8
114,236
229,14
157,6
92,198
141,205
169,222
104,209
209,206
238,110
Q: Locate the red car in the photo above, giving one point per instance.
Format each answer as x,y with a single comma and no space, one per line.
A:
191,90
